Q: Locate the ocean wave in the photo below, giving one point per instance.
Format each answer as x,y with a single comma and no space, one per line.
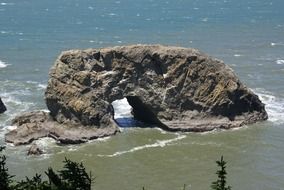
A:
38,85
103,139
276,44
3,64
280,61
11,101
158,143
42,86
14,107
6,3
237,55
274,105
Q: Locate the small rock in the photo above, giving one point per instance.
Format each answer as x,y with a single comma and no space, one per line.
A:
35,150
2,107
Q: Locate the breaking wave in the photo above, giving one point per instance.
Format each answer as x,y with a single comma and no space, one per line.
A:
3,64
274,105
280,61
158,143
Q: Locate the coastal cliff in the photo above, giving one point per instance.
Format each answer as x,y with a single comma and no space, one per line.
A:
174,88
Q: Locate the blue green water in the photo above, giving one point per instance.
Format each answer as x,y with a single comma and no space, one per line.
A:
247,34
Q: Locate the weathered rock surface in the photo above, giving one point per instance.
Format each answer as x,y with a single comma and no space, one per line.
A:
35,150
177,89
35,125
2,107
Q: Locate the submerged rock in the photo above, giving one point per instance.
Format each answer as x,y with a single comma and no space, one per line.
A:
2,107
35,150
174,88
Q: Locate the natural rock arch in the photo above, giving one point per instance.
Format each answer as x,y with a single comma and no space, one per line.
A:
164,85
177,89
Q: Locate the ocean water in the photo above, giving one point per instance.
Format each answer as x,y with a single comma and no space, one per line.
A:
247,34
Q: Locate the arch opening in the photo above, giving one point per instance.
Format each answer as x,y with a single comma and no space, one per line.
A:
123,114
132,112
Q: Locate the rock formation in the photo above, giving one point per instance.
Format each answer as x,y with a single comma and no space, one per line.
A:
2,107
174,88
35,150
35,125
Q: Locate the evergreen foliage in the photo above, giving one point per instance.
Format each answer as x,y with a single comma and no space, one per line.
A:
72,177
5,178
220,183
35,183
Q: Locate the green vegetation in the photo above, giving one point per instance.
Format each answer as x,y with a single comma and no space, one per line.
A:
220,183
73,176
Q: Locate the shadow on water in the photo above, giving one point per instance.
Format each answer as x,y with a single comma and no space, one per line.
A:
130,122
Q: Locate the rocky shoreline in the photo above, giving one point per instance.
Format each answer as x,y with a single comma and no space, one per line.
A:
174,88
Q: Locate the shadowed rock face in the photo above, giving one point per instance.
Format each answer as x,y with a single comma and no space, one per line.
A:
172,87
177,89
2,107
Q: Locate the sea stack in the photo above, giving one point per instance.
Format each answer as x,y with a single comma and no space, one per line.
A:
2,107
174,88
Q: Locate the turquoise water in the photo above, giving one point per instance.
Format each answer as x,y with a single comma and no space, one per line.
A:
247,35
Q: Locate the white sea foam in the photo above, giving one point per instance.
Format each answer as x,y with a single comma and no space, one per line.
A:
274,105
112,14
10,128
276,44
121,108
237,55
103,139
159,143
3,64
42,86
46,142
38,85
14,104
280,61
4,3
204,20
91,8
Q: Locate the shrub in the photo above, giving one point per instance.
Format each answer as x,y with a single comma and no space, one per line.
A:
72,177
220,183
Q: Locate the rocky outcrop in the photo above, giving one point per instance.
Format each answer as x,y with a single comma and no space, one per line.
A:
35,125
174,88
2,107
